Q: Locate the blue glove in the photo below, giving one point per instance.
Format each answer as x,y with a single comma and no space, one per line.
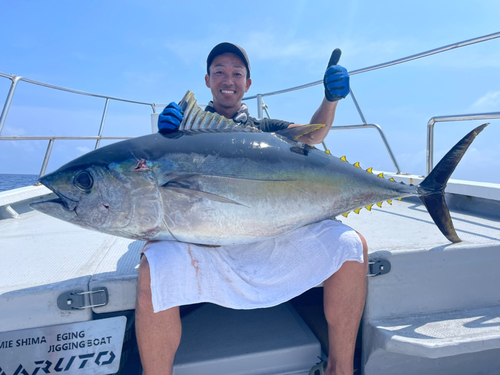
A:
170,119
336,80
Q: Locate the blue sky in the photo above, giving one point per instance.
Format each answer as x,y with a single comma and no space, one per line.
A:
153,51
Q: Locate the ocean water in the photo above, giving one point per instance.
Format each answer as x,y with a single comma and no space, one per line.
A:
13,181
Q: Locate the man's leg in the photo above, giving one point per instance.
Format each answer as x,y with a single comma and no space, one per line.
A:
344,300
158,335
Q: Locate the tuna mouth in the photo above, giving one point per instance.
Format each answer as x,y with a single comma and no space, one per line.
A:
58,208
59,203
67,203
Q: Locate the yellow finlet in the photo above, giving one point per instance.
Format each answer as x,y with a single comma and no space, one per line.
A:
357,165
370,170
399,199
345,215
369,208
379,204
381,175
390,201
392,179
357,210
328,152
343,158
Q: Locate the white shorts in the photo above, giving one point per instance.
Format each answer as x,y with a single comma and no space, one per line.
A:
250,276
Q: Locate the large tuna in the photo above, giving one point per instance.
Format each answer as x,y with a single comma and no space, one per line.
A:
214,183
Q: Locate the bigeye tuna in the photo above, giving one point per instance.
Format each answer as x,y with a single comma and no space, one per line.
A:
215,182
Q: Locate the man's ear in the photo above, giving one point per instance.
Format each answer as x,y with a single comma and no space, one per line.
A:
249,83
207,80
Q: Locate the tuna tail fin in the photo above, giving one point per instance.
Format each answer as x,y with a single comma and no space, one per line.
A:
431,190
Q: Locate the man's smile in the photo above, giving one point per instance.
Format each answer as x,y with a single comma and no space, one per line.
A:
228,83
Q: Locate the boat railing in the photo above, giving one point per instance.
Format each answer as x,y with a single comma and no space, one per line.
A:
52,138
15,81
364,125
261,106
436,119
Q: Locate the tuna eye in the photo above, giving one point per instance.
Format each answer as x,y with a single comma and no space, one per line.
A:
84,181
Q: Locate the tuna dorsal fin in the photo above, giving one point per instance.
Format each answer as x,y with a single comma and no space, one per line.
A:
196,120
296,132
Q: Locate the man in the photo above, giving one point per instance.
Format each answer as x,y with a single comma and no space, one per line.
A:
174,274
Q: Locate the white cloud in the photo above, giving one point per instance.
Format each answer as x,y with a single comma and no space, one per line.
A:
413,162
476,57
488,103
9,130
189,51
83,149
27,147
146,77
266,45
272,45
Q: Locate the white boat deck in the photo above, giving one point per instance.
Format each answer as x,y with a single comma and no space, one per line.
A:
43,257
49,252
438,309
406,226
412,312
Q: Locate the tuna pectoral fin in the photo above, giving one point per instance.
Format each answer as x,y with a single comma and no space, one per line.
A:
196,194
296,132
431,190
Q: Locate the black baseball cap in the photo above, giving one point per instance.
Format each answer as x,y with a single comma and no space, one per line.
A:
225,47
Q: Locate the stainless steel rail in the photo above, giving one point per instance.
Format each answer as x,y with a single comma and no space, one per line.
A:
434,120
361,126
51,139
449,47
260,105
381,133
365,125
56,137
16,79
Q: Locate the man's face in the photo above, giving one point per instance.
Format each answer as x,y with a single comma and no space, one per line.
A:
228,82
